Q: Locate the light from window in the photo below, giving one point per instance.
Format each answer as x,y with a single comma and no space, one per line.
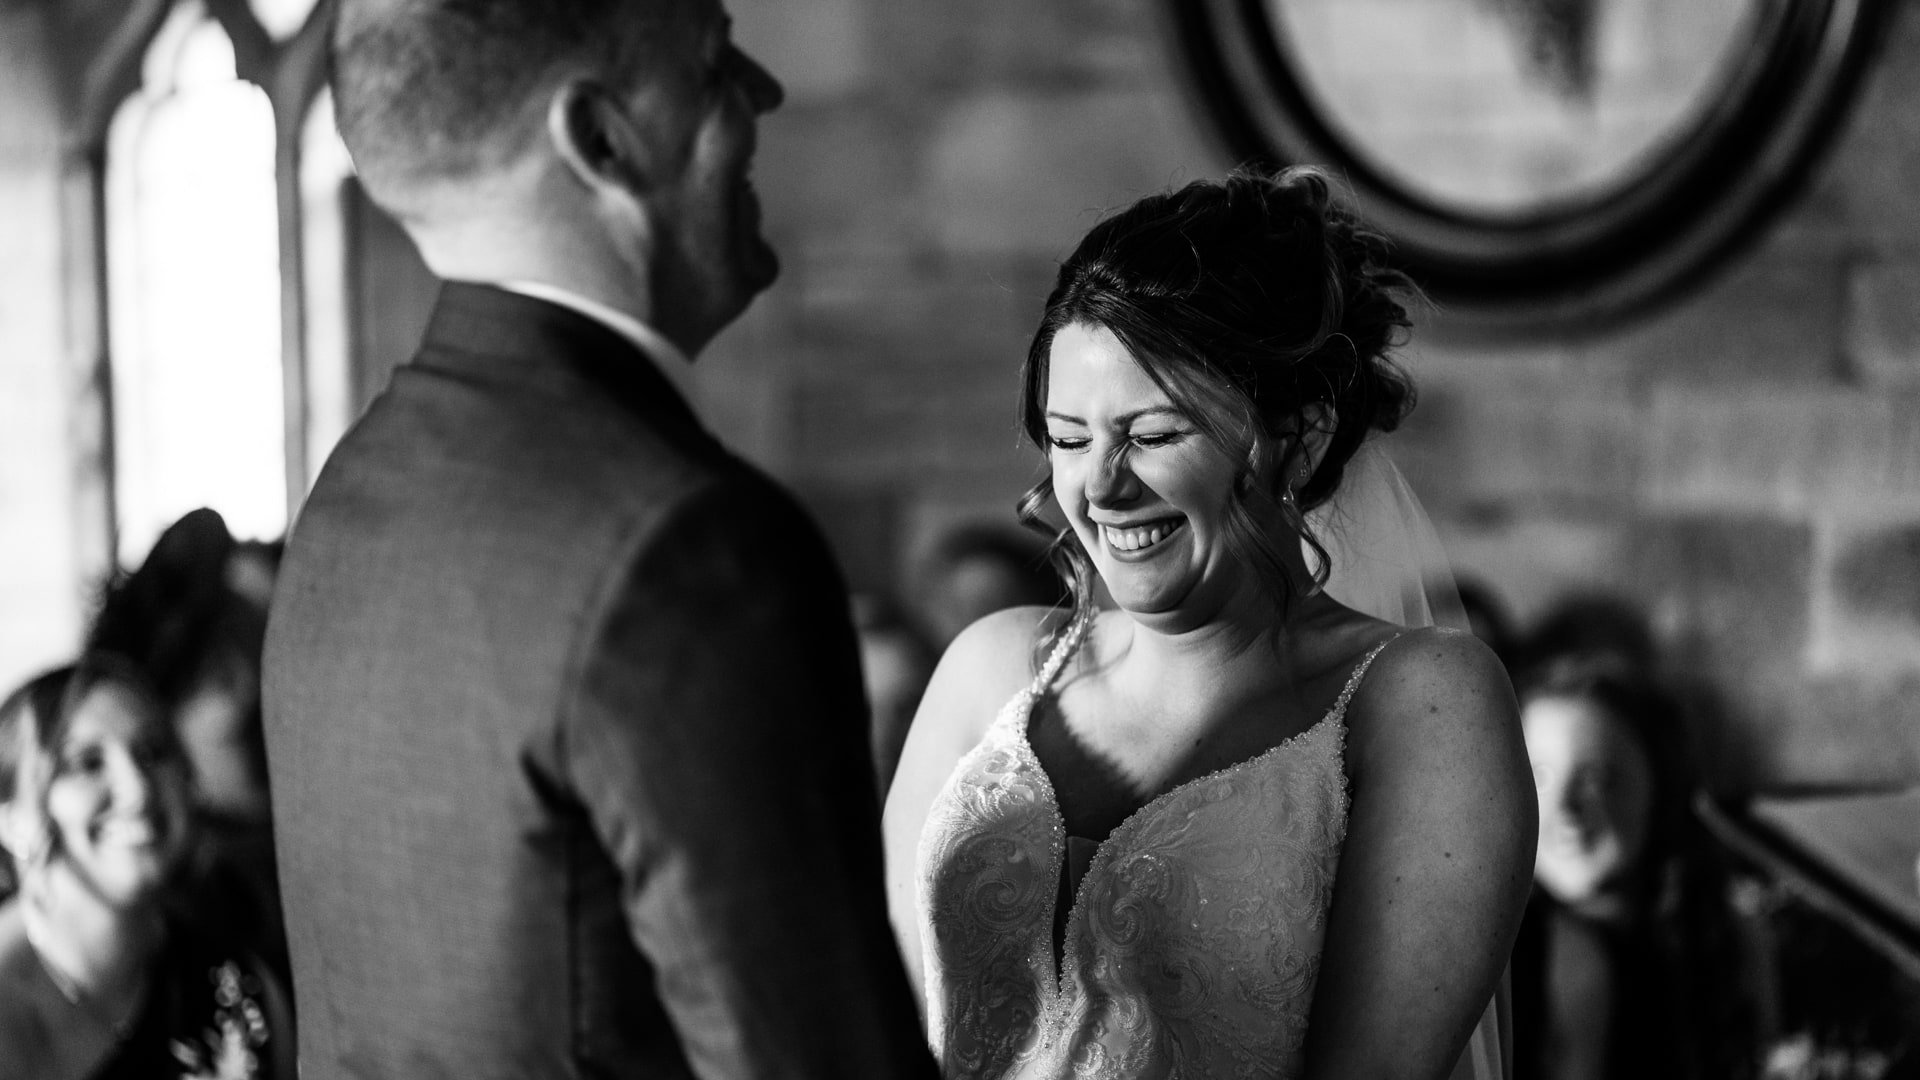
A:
281,18
324,168
194,286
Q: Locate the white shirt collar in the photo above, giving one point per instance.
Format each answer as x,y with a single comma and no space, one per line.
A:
665,355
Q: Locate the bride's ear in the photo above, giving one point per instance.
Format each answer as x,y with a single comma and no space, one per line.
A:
1316,425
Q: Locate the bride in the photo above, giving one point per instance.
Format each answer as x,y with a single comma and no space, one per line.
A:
1231,827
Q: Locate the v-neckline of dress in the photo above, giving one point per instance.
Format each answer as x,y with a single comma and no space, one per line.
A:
1022,719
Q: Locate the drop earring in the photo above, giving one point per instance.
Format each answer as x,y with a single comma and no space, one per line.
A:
1299,480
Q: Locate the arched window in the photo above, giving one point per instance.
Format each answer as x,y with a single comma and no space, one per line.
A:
367,293
194,292
325,169
282,19
249,299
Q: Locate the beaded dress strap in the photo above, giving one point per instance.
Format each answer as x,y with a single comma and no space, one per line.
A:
1359,672
1063,650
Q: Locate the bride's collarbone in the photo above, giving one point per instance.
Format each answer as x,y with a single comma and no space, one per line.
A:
1156,741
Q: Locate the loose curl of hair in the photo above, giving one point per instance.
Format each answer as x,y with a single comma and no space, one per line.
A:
1248,300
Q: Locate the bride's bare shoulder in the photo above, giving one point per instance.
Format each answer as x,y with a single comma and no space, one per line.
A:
1430,678
995,657
1439,652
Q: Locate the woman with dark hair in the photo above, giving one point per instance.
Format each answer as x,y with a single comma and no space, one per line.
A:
100,974
1627,963
193,619
1231,827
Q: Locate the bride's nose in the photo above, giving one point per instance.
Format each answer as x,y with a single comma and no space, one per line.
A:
1112,482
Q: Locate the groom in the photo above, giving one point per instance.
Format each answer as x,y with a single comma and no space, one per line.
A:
564,723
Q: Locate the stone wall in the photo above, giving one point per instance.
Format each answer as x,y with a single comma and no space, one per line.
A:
1745,463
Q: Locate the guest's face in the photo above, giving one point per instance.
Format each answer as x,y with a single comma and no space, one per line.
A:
706,94
118,795
1596,796
1145,491
215,720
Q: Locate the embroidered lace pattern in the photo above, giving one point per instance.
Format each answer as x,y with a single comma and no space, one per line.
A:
1193,943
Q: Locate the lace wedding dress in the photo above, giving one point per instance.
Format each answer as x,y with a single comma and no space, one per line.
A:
1193,943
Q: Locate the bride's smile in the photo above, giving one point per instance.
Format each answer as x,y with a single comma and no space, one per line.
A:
1125,541
1146,492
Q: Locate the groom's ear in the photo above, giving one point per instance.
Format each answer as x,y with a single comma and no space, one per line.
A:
598,138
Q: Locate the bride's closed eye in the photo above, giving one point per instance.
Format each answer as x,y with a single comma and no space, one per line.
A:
1150,440
1145,440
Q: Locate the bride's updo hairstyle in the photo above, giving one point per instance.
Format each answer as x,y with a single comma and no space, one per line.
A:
1247,300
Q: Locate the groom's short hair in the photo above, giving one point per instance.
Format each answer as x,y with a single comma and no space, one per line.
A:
438,90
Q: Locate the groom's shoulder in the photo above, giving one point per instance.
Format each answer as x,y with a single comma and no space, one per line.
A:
734,522
518,458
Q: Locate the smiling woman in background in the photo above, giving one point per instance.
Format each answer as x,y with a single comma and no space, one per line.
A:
1627,964
1233,828
100,974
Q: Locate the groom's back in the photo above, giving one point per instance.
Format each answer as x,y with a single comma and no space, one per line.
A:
447,902
489,870
564,719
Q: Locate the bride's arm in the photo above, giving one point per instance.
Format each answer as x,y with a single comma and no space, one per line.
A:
983,667
1436,866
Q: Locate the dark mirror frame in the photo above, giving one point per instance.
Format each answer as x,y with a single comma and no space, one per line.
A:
1642,242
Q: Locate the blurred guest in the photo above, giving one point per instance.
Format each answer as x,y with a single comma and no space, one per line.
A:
976,570
1625,965
895,664
193,619
102,975
1586,624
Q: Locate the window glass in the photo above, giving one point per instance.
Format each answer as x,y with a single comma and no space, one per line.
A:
194,290
324,171
282,18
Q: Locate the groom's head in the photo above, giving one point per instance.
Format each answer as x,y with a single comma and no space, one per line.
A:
606,141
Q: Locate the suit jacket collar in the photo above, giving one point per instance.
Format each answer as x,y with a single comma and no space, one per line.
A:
486,332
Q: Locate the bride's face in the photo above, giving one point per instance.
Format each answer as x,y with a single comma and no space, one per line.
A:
1146,492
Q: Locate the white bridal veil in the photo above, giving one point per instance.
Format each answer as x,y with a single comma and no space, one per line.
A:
1387,562
1386,559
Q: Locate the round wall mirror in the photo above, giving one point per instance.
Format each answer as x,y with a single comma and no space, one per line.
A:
1539,163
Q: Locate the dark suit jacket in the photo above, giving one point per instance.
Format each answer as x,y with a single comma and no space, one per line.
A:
567,740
